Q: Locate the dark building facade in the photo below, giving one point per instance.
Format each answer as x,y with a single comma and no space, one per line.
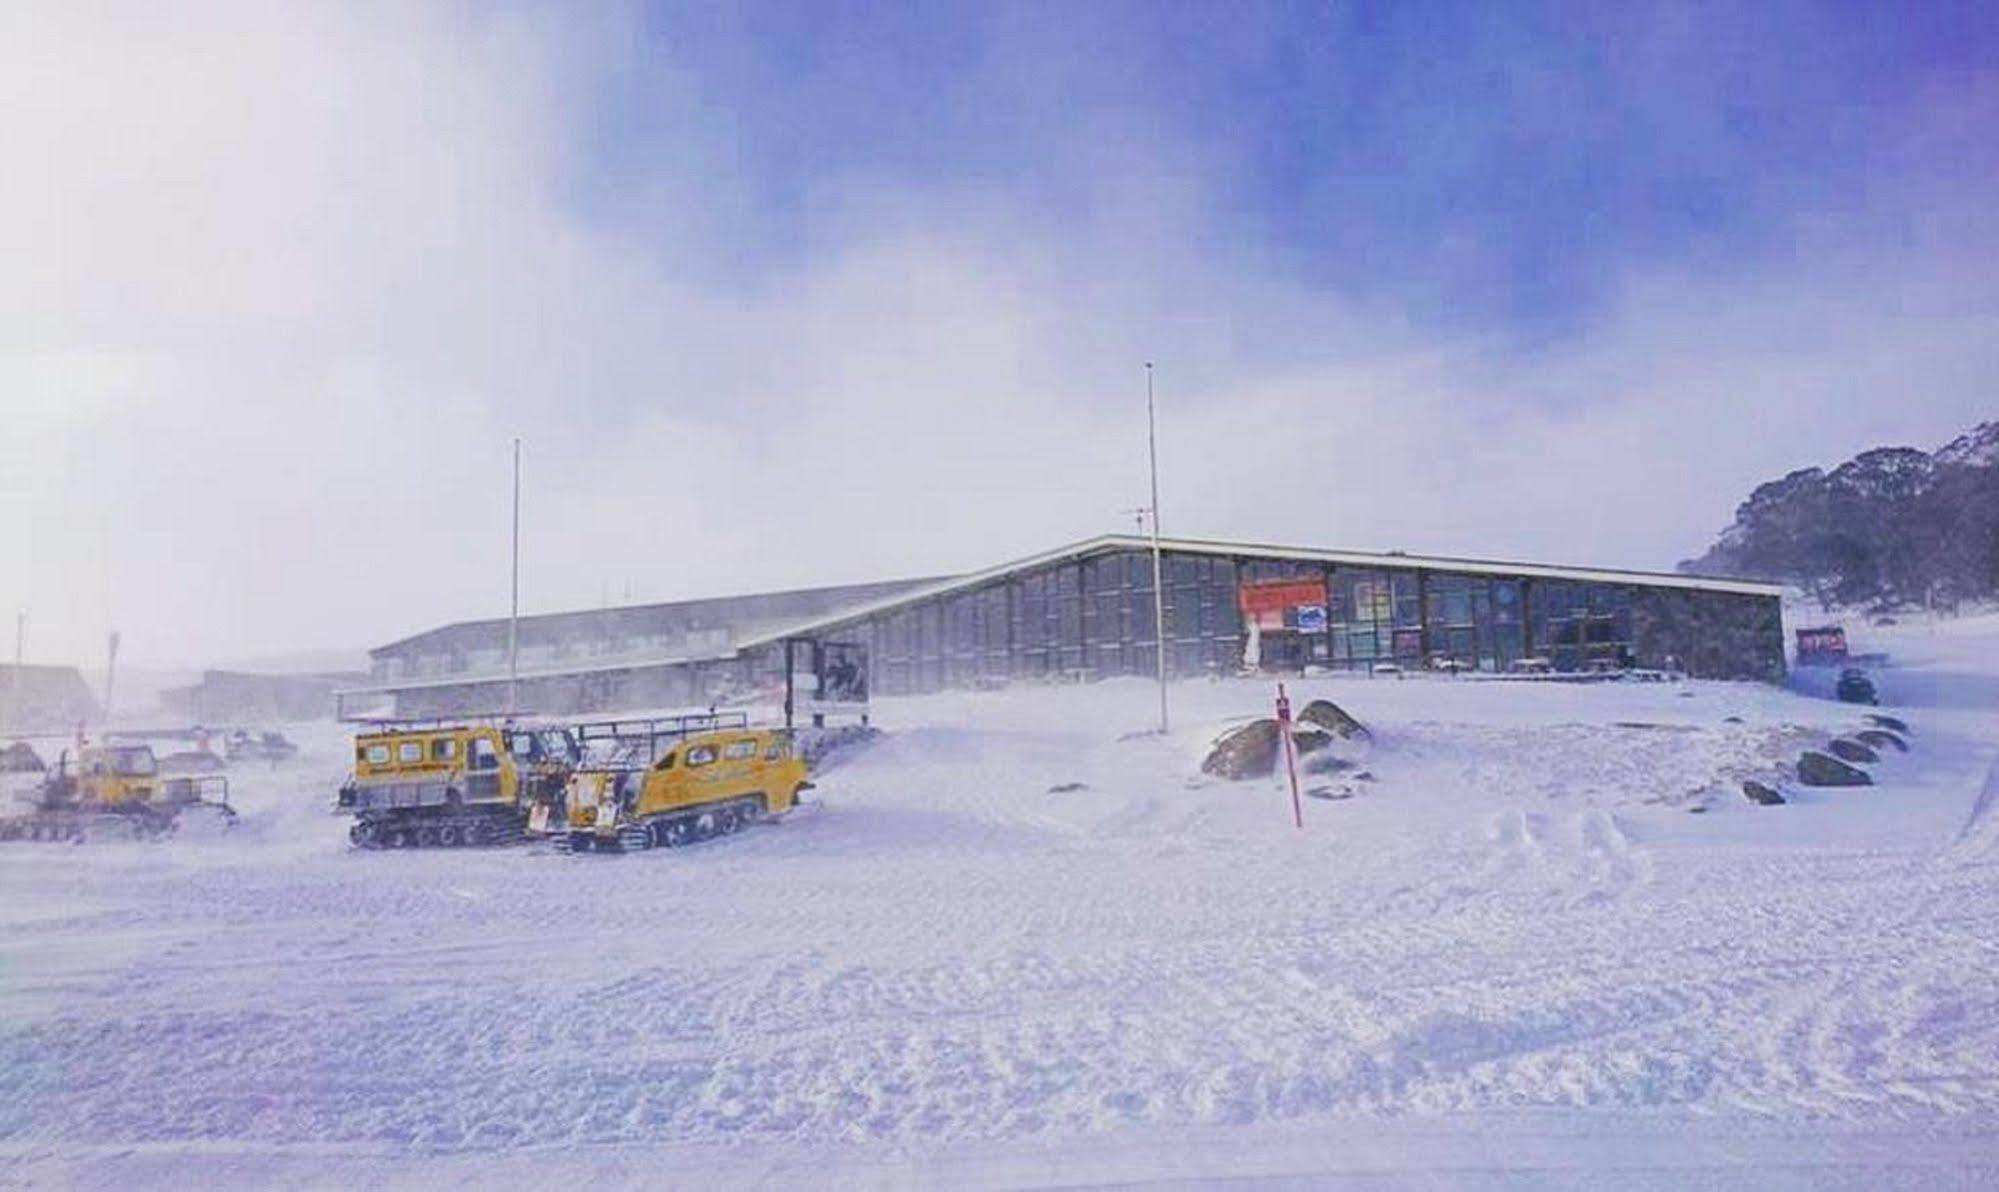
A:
1086,612
224,697
45,699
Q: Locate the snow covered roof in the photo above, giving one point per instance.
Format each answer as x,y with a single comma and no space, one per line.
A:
1201,546
747,613
865,600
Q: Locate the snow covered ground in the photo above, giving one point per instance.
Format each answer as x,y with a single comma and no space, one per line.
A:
1547,942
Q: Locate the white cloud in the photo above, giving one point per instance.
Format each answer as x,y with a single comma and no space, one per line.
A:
289,283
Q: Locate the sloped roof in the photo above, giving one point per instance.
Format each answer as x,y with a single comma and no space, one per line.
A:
1200,546
870,599
741,612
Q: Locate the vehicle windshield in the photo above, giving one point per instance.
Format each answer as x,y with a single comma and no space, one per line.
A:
605,752
135,762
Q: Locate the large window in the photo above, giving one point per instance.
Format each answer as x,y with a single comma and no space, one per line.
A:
1580,626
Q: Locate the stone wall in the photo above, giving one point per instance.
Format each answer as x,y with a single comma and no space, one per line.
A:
1710,635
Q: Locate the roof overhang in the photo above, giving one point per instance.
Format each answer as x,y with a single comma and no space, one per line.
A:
1102,545
1230,549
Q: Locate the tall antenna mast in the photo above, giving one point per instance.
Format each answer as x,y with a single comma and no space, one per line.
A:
1158,590
514,611
110,676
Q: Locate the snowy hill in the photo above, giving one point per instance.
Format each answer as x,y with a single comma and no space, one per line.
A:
1547,936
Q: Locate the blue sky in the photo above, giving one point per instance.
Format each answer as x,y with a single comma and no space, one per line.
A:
1482,166
779,295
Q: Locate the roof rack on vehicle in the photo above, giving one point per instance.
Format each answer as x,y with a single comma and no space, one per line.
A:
639,742
393,723
657,727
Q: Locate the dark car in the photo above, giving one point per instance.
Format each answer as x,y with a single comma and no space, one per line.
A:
20,758
263,746
1855,687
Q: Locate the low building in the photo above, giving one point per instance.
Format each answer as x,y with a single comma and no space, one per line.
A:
243,697
45,699
1086,611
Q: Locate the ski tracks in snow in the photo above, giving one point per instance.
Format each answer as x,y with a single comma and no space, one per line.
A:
949,950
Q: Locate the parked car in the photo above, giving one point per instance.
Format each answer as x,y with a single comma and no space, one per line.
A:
264,746
21,772
1855,687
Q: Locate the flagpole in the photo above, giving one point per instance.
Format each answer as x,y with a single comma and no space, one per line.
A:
514,611
1158,590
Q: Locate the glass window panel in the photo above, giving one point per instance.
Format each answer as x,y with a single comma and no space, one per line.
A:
1408,610
1138,614
1457,605
1187,658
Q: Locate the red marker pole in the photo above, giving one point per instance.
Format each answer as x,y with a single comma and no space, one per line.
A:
1290,755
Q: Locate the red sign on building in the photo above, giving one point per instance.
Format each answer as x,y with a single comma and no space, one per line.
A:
1823,645
1276,595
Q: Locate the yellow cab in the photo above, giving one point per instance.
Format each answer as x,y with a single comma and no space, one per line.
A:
707,784
443,784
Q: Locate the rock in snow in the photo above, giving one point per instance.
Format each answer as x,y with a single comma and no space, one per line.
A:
1761,793
1878,737
1820,769
1334,719
1889,722
1848,750
1309,740
1249,751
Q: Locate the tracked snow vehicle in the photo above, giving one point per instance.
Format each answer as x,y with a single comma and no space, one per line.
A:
665,789
449,784
116,791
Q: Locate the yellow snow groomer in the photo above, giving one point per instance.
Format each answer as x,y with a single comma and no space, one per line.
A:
446,784
116,790
667,789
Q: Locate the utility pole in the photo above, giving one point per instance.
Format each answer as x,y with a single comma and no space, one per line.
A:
514,610
1158,588
110,675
